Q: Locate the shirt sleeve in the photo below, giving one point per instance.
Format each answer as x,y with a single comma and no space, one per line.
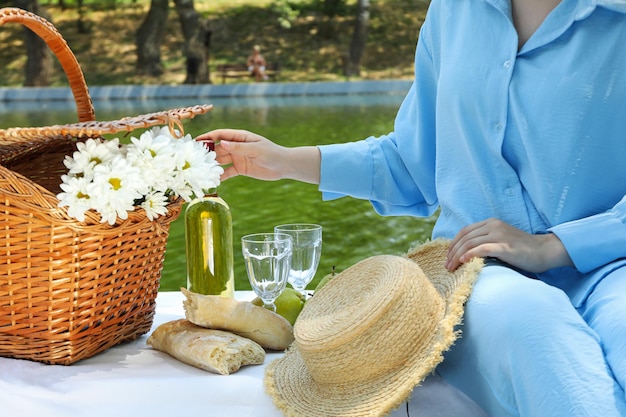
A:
372,169
597,240
395,172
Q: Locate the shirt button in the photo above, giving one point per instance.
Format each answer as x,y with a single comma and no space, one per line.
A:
507,64
498,126
509,191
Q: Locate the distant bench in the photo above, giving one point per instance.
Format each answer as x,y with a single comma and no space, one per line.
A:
241,70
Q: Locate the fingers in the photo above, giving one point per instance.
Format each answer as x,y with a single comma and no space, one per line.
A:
232,158
458,246
228,142
223,153
233,135
479,239
229,152
229,172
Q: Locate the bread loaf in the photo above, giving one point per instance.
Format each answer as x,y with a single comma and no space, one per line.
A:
212,350
265,327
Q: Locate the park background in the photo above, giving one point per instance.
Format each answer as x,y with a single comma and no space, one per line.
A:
311,47
310,39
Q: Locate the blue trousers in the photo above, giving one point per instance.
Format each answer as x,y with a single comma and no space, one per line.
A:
526,351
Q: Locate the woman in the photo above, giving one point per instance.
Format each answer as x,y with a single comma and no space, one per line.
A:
515,127
256,64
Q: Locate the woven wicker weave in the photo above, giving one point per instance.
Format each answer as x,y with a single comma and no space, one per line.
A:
71,289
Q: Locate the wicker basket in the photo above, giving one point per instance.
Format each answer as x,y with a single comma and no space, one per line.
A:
71,289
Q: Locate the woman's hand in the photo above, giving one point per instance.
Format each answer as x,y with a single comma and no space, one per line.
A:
246,153
495,238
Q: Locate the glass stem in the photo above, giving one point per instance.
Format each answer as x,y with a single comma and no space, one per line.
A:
269,305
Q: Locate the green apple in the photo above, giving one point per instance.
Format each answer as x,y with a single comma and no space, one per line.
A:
288,304
325,279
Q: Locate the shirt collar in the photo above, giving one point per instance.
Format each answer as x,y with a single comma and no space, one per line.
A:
615,5
583,7
561,18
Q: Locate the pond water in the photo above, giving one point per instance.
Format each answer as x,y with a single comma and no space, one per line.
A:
352,230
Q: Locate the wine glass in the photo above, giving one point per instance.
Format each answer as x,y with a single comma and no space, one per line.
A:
268,259
307,248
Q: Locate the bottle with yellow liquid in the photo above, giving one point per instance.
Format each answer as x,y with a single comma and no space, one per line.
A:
209,240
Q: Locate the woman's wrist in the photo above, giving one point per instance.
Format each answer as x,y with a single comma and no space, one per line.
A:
303,164
553,251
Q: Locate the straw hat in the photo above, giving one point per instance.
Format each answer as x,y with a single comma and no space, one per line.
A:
370,335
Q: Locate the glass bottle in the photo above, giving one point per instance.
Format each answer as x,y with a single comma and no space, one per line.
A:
209,244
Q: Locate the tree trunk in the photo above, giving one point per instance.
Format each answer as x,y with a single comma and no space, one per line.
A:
149,38
359,39
39,56
328,26
331,7
83,26
197,34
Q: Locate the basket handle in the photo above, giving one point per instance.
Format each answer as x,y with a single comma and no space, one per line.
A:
49,34
95,129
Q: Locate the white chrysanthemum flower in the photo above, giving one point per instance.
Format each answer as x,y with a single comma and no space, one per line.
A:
75,196
165,131
213,170
112,178
154,156
180,187
196,165
155,141
114,188
89,154
155,204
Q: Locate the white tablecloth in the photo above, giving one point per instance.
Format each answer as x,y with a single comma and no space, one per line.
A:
132,379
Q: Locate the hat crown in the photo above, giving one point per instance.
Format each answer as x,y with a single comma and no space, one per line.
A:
368,321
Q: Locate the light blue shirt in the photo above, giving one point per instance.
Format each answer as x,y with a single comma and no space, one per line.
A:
535,137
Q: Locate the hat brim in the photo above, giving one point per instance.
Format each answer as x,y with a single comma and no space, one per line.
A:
297,394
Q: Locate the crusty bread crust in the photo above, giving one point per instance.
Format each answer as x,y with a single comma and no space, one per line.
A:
265,327
212,350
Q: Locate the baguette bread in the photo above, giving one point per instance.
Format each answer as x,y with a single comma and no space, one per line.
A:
265,327
215,351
